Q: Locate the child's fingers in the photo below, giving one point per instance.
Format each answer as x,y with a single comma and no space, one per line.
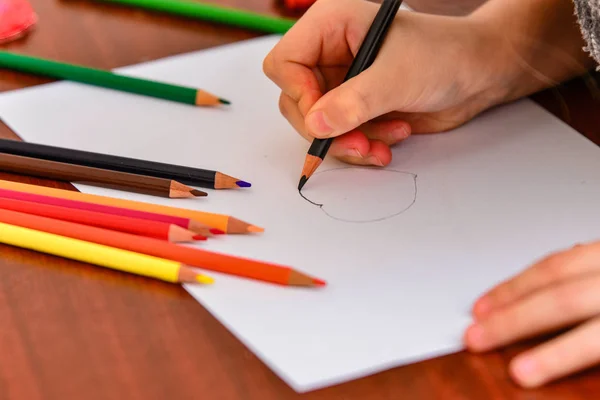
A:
350,105
389,132
288,107
355,148
310,43
560,266
562,304
569,353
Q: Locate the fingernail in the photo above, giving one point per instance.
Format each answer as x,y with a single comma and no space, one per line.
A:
317,124
354,153
475,336
398,134
375,161
526,371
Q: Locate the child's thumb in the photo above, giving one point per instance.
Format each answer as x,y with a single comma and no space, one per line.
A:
348,106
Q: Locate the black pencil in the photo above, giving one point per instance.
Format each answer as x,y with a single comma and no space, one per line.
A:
186,175
363,60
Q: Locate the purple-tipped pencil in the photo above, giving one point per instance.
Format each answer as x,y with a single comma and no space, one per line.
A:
191,176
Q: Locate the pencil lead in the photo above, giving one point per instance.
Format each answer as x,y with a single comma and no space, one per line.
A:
223,101
243,184
179,190
215,231
255,229
319,282
199,193
178,234
302,182
310,166
207,280
200,228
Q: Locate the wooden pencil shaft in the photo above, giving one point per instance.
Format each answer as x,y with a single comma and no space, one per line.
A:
204,259
214,13
158,230
364,58
97,77
88,252
223,222
82,174
185,175
147,218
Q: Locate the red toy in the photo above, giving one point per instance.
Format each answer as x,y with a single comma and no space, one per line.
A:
298,5
16,18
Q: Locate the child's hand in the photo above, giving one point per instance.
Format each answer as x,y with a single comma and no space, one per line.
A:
432,74
558,292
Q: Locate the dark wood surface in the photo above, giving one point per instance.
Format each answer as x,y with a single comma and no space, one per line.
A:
70,331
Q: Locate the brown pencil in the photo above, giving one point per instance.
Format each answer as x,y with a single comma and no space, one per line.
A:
96,177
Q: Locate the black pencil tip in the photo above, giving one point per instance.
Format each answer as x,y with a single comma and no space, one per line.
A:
223,101
303,181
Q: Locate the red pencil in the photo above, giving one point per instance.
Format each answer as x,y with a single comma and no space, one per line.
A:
185,223
153,229
199,258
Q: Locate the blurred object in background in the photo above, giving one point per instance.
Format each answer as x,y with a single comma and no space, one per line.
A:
295,5
445,7
16,18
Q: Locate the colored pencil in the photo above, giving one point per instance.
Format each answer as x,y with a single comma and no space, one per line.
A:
364,58
44,168
200,258
158,230
186,175
223,222
186,223
100,255
107,79
213,13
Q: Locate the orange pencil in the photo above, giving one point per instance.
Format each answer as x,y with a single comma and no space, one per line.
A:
186,223
157,230
223,222
199,258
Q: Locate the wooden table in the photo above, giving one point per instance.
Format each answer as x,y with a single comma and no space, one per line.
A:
70,331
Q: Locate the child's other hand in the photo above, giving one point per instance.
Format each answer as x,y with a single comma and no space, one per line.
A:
560,291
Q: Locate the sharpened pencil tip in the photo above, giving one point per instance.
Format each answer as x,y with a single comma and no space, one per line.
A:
303,181
223,101
199,193
319,282
216,231
255,229
243,184
207,280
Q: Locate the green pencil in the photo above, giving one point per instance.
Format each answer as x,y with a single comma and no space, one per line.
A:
214,13
107,79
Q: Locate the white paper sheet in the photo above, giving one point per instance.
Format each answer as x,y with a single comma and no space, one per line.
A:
490,198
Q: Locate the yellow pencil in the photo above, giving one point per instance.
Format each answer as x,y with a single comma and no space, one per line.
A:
104,256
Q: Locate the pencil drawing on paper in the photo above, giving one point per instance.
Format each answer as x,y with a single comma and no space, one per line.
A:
361,194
